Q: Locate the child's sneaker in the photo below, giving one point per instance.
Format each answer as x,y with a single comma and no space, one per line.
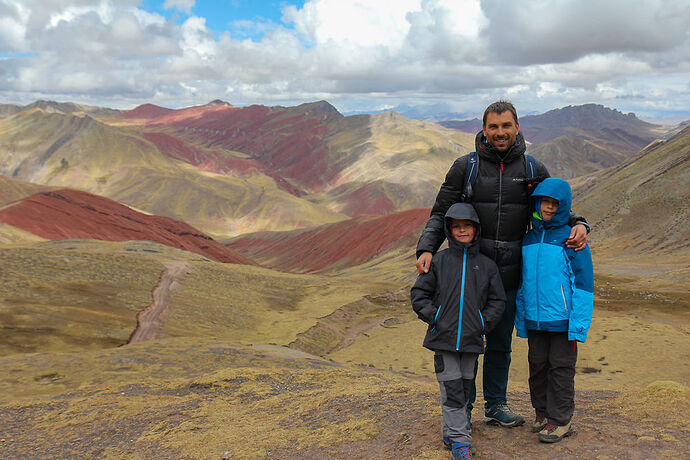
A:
447,443
554,433
461,451
539,424
500,414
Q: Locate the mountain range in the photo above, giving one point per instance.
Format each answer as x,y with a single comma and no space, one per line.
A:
304,171
240,169
577,140
178,281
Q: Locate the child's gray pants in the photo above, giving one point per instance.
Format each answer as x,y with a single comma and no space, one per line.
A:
455,373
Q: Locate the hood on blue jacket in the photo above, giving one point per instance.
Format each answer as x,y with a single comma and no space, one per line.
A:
557,189
463,211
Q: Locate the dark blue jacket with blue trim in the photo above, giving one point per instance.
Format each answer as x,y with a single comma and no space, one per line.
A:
556,292
461,297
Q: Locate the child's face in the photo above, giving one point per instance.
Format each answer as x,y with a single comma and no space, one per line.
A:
462,230
549,206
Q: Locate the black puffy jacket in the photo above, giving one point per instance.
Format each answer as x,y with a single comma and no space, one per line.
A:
501,198
462,283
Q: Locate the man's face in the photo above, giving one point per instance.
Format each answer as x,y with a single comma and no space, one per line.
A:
500,130
462,230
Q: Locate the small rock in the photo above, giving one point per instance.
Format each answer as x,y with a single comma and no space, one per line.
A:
403,438
227,455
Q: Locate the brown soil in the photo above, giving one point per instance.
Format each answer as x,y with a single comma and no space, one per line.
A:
151,319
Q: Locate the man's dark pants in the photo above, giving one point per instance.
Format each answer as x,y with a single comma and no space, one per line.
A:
497,357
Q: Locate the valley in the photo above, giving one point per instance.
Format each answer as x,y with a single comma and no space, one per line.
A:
269,252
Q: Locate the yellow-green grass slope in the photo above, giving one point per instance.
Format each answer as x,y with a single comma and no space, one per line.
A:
215,384
397,158
639,213
78,294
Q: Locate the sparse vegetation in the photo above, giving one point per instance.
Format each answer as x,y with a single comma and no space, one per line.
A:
261,363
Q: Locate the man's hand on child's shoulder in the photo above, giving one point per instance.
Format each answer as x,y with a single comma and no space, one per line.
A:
578,238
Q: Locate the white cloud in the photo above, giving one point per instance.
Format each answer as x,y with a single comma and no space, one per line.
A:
363,23
358,53
103,9
13,19
181,5
196,38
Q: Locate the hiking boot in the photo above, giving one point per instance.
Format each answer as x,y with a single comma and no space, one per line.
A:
500,414
554,433
539,424
461,451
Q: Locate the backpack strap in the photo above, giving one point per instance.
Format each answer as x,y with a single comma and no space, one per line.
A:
530,166
530,173
470,175
473,167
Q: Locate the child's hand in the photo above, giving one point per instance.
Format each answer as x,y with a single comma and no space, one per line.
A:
578,238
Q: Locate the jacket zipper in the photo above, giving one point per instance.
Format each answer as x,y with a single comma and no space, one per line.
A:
482,318
500,199
462,297
565,304
536,294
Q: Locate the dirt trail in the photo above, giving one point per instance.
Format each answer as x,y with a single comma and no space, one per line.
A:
150,320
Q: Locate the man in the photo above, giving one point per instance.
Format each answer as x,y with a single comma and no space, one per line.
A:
500,194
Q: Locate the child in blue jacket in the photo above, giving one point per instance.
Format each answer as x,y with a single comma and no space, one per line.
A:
554,308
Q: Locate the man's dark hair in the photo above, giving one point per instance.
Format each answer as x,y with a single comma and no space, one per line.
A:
500,107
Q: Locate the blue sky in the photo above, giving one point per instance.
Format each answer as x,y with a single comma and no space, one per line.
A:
359,55
228,15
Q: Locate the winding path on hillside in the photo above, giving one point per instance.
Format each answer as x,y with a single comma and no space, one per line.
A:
151,319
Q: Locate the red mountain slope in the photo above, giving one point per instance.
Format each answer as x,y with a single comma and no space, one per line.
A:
147,111
290,141
338,245
70,213
212,161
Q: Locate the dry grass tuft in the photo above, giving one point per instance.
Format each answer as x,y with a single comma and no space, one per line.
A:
664,402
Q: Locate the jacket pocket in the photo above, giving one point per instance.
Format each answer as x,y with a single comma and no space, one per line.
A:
439,365
565,303
433,324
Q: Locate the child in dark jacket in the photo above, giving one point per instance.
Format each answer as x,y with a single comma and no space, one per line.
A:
554,308
461,298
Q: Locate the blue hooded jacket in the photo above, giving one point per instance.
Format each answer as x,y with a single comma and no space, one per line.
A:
557,288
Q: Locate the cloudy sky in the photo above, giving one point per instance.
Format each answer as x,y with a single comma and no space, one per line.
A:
360,55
